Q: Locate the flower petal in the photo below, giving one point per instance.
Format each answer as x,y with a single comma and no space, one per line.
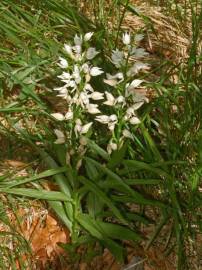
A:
58,116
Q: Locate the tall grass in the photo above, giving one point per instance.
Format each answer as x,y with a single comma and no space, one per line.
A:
160,170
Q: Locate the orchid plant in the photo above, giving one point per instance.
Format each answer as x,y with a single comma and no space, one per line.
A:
115,108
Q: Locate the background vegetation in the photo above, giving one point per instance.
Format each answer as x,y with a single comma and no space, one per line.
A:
146,193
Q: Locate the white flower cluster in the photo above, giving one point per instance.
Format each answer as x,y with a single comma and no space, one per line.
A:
84,104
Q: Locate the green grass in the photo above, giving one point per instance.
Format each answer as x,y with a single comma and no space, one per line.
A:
161,169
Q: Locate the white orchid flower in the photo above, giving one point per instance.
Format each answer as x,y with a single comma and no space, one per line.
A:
134,120
68,49
130,87
139,52
88,88
76,74
109,120
127,134
120,99
117,58
96,71
78,127
69,115
81,129
83,141
113,80
111,126
135,83
72,84
137,105
84,99
139,37
110,99
78,40
63,88
92,108
136,68
61,117
97,96
65,76
91,53
140,95
58,116
62,63
130,113
85,128
85,68
75,99
88,36
60,136
64,94
77,49
111,147
126,38
112,122
104,119
113,118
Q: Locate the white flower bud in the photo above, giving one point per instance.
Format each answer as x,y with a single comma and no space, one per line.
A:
91,53
117,58
127,134
60,136
97,96
95,71
113,117
85,128
120,99
139,37
135,83
111,147
137,105
77,40
77,49
85,68
126,39
63,63
88,88
83,141
110,99
104,119
69,115
65,76
58,116
92,108
111,126
88,36
68,49
134,120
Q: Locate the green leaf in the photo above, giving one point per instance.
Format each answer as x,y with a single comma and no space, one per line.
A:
59,209
119,232
95,189
98,150
91,170
37,194
123,187
40,176
95,230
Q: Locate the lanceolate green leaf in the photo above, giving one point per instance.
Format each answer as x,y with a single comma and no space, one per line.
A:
95,189
37,194
122,186
95,230
40,176
115,231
